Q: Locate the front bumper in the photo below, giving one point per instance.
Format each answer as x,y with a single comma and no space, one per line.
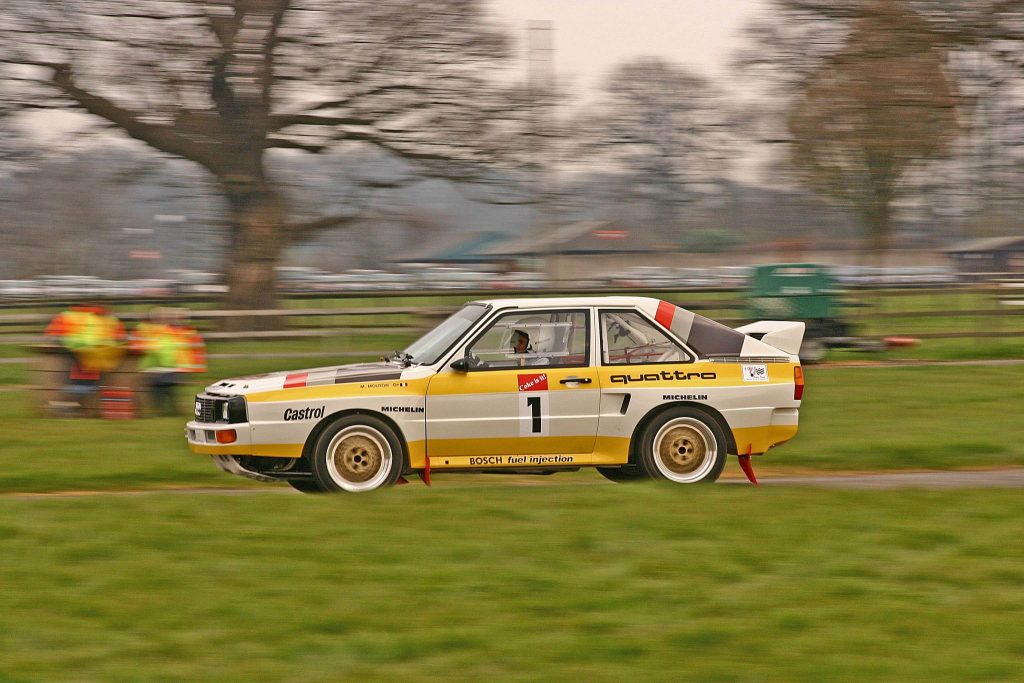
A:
203,438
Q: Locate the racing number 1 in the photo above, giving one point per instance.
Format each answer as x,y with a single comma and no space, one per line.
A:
534,403
533,414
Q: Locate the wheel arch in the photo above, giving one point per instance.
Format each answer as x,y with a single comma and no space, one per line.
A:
655,412
314,434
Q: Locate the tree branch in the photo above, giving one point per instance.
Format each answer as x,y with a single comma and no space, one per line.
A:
379,90
297,232
284,143
281,121
162,138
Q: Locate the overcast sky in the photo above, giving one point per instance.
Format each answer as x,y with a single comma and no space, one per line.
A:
591,36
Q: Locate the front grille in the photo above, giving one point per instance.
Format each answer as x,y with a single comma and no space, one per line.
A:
223,409
206,409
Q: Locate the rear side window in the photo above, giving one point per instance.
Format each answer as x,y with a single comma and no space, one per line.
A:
627,338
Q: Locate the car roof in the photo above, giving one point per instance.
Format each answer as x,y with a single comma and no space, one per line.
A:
569,301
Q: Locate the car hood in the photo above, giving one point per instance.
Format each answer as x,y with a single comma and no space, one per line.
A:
292,379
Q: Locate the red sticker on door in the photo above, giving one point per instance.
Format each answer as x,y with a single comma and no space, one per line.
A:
533,382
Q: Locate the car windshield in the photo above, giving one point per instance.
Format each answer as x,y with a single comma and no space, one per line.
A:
429,348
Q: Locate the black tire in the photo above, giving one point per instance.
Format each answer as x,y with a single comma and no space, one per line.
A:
621,475
683,445
357,453
305,485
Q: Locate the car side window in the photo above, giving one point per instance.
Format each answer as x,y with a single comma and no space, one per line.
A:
532,339
628,338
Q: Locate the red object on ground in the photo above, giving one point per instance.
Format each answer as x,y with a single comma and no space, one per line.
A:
117,404
897,342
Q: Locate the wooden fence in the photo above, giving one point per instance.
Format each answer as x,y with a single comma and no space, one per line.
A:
993,311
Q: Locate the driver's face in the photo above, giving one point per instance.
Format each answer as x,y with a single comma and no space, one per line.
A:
519,343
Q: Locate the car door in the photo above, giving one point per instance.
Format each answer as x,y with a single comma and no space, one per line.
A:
541,399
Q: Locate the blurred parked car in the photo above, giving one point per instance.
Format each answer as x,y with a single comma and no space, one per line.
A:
452,277
905,276
519,280
20,289
644,276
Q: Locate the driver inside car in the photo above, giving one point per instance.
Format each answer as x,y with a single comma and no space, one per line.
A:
520,342
521,346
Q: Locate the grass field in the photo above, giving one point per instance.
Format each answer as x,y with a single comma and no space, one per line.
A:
494,579
515,583
851,419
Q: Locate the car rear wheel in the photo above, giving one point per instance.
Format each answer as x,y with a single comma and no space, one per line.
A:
683,445
357,453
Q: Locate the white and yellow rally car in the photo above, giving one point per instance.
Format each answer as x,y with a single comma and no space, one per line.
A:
636,387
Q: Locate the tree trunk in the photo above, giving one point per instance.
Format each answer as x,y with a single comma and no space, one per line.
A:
257,216
878,219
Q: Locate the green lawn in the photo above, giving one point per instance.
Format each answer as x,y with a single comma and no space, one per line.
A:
930,417
491,582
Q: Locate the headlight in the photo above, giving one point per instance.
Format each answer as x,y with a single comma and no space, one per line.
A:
235,410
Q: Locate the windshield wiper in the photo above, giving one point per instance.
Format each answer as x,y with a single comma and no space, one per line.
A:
402,357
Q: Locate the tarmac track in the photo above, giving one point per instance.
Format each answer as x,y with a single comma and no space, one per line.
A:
955,479
1007,478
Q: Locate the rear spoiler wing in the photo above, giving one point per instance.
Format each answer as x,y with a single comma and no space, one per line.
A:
786,335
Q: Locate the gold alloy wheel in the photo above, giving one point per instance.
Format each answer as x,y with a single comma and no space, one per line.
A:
359,458
685,450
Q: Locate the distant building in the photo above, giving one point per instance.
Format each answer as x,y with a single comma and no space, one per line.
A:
456,248
990,257
578,250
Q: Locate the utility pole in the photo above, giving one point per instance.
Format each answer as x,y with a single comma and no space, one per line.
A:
540,81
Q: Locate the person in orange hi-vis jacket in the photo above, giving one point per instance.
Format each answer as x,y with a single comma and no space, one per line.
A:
93,339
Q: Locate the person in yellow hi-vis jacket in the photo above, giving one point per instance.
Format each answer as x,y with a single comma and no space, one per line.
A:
192,351
160,348
93,338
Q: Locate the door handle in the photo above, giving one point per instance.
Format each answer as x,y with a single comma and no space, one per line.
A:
575,380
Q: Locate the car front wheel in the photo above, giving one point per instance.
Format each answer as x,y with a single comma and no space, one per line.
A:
357,453
683,445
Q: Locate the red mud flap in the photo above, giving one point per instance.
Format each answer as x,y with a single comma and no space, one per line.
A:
747,468
425,473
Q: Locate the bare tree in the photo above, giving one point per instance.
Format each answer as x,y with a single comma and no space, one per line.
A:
664,126
879,105
221,82
872,89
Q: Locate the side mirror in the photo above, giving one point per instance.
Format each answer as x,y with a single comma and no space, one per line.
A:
460,365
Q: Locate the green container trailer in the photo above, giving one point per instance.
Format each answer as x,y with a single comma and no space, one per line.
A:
806,292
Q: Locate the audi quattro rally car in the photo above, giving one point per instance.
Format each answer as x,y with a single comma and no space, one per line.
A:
636,387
